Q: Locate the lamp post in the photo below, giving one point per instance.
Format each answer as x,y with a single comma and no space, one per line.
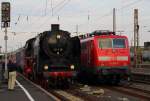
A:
6,70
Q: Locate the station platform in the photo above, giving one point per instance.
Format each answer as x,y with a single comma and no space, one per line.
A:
24,91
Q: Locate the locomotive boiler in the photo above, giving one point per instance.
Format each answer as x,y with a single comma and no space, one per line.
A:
53,56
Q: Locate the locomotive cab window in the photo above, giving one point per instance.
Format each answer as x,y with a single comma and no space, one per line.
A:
105,43
119,43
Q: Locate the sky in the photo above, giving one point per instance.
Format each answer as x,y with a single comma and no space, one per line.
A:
30,17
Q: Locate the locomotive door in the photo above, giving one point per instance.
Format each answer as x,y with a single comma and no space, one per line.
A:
89,52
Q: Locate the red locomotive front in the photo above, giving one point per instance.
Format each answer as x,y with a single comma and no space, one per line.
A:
105,56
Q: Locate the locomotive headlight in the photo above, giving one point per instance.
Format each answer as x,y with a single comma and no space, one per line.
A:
72,67
58,36
46,67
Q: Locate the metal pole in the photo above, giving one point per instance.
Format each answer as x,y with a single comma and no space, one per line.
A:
88,22
135,58
6,69
135,36
77,30
114,20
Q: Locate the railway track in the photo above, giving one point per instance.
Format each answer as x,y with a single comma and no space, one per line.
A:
84,95
100,92
59,95
131,90
141,78
139,93
65,96
141,75
141,81
96,93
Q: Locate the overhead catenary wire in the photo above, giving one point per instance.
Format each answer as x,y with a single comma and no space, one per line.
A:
46,10
55,7
59,6
26,17
54,13
102,17
52,7
130,4
110,12
63,3
46,7
126,6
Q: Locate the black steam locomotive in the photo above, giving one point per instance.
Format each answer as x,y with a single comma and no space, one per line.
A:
53,56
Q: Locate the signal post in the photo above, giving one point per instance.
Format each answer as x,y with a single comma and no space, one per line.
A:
5,23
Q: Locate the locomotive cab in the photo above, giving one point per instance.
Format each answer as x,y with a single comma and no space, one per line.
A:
114,50
113,53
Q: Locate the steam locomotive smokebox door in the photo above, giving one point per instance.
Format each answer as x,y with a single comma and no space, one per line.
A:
54,27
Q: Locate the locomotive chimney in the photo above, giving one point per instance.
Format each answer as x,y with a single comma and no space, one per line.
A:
54,27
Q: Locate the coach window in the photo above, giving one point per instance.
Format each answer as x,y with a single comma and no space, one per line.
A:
119,43
105,43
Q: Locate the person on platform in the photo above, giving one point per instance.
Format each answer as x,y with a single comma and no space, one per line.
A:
2,69
12,68
0,74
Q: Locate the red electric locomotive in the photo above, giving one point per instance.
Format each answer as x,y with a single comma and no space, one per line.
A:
105,55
